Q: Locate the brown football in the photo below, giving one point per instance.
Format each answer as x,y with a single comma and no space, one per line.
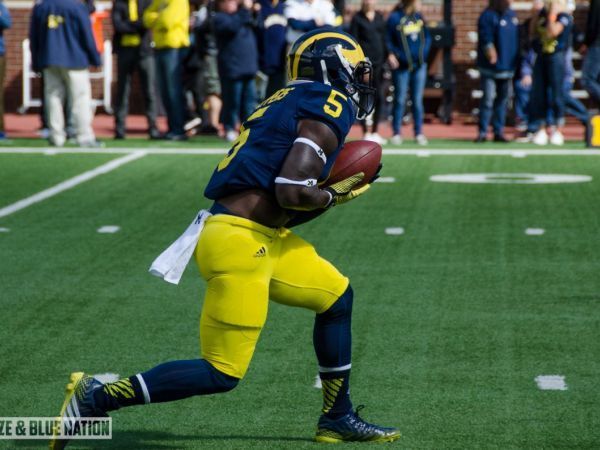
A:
355,157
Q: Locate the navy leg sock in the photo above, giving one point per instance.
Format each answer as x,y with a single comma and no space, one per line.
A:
166,382
332,339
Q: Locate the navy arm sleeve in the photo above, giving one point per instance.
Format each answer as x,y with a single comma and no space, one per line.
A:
391,37
485,28
87,37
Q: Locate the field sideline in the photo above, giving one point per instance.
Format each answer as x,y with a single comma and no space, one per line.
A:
454,319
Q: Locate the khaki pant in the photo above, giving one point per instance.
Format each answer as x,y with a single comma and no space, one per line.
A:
58,83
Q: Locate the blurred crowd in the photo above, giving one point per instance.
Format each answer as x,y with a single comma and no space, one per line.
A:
206,63
534,60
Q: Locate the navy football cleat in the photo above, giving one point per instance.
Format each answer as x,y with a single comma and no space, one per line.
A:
79,402
352,428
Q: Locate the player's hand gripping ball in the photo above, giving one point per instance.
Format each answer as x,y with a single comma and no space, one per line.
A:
356,157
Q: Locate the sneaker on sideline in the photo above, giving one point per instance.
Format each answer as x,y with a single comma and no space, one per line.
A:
540,137
421,139
557,138
375,137
92,144
396,140
231,135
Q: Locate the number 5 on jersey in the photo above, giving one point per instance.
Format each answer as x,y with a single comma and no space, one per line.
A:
333,107
235,147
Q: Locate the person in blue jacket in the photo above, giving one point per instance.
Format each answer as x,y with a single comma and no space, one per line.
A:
497,53
409,41
63,47
272,44
5,23
234,26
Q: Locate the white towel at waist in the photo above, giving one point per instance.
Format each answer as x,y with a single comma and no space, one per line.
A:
171,263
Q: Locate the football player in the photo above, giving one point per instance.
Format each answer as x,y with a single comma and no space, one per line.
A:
267,183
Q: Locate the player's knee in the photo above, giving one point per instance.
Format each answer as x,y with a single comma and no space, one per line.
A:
223,382
341,309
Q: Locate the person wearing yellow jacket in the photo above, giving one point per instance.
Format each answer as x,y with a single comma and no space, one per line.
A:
169,22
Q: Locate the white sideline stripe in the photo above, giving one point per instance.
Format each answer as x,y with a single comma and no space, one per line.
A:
4,230
534,231
144,388
70,183
385,180
389,151
106,377
551,382
334,369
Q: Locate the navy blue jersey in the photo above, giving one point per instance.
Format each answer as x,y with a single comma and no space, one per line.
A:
266,137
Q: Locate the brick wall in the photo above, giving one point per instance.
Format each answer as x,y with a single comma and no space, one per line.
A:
465,15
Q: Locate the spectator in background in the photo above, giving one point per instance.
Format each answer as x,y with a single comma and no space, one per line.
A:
497,52
523,76
572,105
409,42
63,47
308,15
169,22
550,29
234,25
211,85
591,65
369,29
5,23
131,44
192,72
273,45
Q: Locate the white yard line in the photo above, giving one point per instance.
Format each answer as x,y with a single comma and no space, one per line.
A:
534,231
551,382
108,229
394,231
70,183
521,152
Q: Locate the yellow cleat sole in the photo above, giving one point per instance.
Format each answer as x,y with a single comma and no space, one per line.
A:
335,440
74,379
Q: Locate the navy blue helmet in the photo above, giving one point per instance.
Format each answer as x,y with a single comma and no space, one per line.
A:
335,58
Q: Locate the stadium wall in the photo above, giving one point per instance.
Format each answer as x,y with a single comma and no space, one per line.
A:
465,14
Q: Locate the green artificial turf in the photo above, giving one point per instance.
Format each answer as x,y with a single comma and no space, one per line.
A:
452,322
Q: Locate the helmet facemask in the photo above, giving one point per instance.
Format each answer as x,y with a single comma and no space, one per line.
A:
358,81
